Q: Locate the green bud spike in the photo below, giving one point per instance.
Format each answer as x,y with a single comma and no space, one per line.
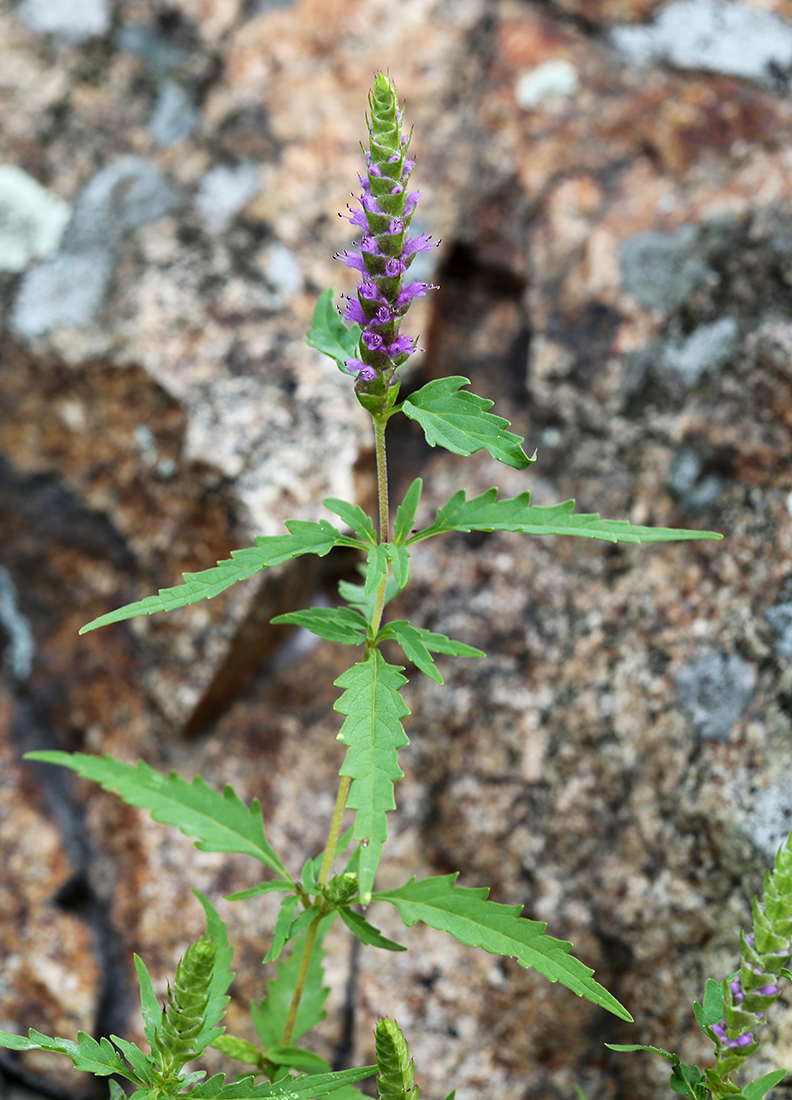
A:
394,1067
342,888
187,1001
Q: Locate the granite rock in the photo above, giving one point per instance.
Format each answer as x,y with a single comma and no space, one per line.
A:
635,223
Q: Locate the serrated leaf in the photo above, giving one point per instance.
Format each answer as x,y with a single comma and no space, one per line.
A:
373,734
487,513
222,975
419,644
405,513
459,421
335,624
220,822
297,1058
466,914
269,1017
688,1081
304,538
330,335
711,1012
274,886
311,1087
354,516
100,1058
757,1089
115,1090
409,638
144,1067
366,932
399,557
376,569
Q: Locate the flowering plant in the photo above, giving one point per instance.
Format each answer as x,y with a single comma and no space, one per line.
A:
339,883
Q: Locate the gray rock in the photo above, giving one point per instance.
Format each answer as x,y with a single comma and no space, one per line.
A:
223,192
122,196
283,271
159,54
75,20
682,366
68,290
769,821
692,492
661,270
552,78
713,35
32,219
174,117
713,690
21,643
780,620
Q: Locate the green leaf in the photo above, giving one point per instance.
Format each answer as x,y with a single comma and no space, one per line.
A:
405,513
330,335
354,516
373,734
220,822
297,1058
627,1048
145,1068
377,568
280,935
222,975
470,918
712,1010
367,933
274,886
269,1017
151,1008
409,638
234,1047
356,595
487,513
311,1087
335,624
688,1081
100,1058
459,421
399,557
757,1089
418,645
304,538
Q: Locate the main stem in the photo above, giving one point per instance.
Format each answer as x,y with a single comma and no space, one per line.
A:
343,790
382,495
313,927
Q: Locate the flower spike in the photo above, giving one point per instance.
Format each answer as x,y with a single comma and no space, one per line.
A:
385,252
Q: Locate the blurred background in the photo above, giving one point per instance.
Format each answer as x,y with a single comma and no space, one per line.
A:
611,184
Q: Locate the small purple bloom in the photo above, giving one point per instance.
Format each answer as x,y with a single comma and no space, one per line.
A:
412,290
400,345
352,259
396,226
363,370
769,991
372,340
383,315
418,244
412,201
353,311
369,291
394,268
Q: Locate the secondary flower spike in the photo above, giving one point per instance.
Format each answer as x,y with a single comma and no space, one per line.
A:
385,251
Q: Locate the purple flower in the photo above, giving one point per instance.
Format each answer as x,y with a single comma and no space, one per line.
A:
384,252
363,370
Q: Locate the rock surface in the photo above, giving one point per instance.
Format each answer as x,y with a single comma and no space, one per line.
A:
615,271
